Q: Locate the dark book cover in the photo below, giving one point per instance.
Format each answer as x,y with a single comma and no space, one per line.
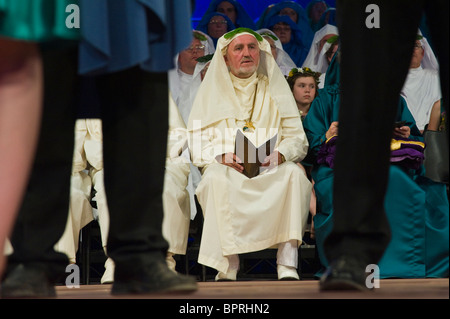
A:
252,156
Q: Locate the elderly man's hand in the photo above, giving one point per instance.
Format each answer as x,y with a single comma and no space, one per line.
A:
230,159
274,159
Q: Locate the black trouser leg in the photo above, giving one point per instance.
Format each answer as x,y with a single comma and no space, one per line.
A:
374,65
134,107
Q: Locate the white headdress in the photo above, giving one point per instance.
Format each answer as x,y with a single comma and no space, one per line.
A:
283,59
316,60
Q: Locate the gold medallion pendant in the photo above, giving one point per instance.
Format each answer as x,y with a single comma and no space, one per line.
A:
248,125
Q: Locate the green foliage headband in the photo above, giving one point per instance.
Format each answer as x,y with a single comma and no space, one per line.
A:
270,35
199,36
333,39
232,33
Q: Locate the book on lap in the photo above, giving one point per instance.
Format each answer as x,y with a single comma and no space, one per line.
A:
252,156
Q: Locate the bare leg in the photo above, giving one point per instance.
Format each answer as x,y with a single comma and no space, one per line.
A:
20,109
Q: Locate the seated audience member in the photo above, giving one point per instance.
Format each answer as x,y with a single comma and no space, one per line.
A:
244,92
176,199
314,11
416,208
292,38
215,24
283,59
304,86
184,81
422,89
328,17
322,50
294,11
234,10
87,180
185,78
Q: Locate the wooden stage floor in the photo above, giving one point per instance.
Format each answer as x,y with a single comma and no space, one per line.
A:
273,289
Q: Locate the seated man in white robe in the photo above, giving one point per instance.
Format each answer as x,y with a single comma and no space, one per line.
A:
244,91
184,81
422,89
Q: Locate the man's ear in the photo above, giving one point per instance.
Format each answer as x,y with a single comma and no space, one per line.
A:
226,59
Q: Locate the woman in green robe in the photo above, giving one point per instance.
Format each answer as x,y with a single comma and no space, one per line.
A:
416,207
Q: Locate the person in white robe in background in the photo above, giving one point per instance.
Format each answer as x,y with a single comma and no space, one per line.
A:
318,60
422,88
245,91
184,81
283,59
87,173
176,200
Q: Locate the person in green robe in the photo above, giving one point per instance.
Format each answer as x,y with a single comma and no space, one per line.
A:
416,207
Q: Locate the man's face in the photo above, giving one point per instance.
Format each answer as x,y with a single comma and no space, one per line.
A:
242,56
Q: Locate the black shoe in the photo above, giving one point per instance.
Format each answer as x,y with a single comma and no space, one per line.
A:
156,278
345,273
27,281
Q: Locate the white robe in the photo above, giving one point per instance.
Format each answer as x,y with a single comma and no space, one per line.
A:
87,173
421,90
241,214
176,201
183,88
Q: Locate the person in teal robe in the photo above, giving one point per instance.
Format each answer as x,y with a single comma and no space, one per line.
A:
416,207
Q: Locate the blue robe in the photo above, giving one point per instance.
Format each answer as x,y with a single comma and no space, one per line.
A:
120,34
416,207
299,45
203,24
243,19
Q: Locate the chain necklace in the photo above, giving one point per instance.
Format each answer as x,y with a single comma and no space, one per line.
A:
248,123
